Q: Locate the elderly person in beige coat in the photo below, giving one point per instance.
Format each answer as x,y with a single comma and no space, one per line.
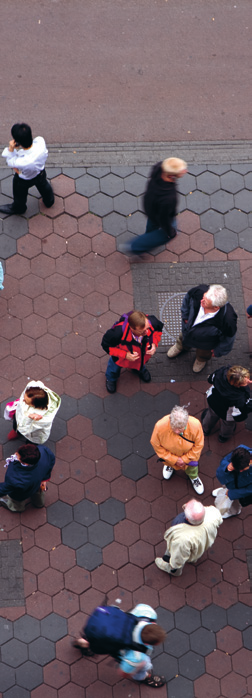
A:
192,532
35,412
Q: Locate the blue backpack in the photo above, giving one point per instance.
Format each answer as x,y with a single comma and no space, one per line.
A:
109,630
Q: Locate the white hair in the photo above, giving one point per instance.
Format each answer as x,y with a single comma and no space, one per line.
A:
178,417
194,512
217,295
173,166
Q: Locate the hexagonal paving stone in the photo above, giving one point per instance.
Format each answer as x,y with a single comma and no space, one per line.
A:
130,424
135,184
14,653
105,426
187,184
125,204
176,643
214,618
239,616
6,630
100,204
116,405
100,534
87,185
134,467
41,651
114,224
86,512
8,246
17,692
53,627
180,687
236,220
187,619
15,227
247,638
222,201
198,202
208,182
74,535
245,240
203,641
232,182
191,665
119,446
136,223
26,629
59,514
212,221
112,185
226,240
89,556
112,511
29,675
7,677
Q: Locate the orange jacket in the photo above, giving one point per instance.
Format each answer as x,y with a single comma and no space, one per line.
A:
170,446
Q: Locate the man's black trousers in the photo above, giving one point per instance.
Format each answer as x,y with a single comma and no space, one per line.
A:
21,187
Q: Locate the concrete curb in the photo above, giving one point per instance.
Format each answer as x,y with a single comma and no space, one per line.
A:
107,154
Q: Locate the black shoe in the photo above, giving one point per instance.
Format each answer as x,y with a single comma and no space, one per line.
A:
222,439
111,386
145,375
8,208
203,414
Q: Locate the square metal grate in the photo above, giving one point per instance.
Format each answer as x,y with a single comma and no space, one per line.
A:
11,574
169,305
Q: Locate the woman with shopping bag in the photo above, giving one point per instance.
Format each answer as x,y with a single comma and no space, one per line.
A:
235,472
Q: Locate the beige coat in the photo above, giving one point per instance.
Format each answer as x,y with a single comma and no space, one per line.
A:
170,446
187,543
37,432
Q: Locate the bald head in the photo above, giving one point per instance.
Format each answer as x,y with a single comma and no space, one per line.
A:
194,512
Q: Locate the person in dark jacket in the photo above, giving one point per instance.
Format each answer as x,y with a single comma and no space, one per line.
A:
27,469
130,343
235,472
209,324
160,206
228,400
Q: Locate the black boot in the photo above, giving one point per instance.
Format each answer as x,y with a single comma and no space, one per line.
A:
7,208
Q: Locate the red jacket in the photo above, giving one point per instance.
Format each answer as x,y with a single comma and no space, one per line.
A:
117,342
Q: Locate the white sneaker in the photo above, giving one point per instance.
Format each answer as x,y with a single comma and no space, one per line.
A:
197,485
167,472
215,492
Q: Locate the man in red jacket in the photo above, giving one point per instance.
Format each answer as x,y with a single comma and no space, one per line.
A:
130,343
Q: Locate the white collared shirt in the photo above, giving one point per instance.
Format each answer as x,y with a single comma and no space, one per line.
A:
203,316
29,162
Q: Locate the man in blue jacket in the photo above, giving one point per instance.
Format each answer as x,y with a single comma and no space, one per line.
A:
30,466
235,472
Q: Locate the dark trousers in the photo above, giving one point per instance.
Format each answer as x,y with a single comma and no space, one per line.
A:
21,187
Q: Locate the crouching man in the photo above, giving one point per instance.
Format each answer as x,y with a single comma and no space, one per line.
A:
27,471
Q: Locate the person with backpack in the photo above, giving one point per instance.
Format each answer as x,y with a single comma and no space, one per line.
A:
209,324
228,400
130,343
127,637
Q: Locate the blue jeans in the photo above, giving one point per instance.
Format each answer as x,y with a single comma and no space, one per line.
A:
153,237
113,370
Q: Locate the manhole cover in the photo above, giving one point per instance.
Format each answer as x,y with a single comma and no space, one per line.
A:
169,305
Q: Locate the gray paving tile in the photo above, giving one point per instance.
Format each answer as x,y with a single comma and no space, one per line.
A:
14,653
112,185
15,227
29,675
114,224
125,204
142,446
100,534
6,630
74,172
197,169
116,405
226,240
17,692
182,203
4,172
150,421
191,666
85,512
166,666
59,429
245,239
112,511
212,221
187,184
119,446
101,204
32,207
176,643
239,616
165,401
165,618
143,170
141,403
243,200
203,641
122,170
87,185
53,627
236,220
134,467
68,407
98,171
105,426
218,169
135,184
243,168
89,556
59,514
181,687
222,201
187,619
26,628
7,677
214,618
248,181
232,182
6,186
74,535
130,424
137,223
53,172
42,651
247,638
208,182
90,406
198,202
8,246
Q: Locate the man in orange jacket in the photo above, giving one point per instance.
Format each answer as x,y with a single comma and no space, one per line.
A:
130,343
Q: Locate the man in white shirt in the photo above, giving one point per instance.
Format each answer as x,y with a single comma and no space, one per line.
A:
28,163
209,323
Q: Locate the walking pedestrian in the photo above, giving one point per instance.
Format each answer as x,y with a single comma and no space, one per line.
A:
35,412
27,471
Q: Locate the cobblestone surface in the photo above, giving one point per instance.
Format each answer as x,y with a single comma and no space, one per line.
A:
107,506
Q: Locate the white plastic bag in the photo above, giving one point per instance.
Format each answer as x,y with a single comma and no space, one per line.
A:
227,507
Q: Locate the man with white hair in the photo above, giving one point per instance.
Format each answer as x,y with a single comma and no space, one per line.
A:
190,535
178,440
209,324
160,206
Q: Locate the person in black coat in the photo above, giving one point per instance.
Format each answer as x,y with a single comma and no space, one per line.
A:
209,323
27,469
228,400
160,206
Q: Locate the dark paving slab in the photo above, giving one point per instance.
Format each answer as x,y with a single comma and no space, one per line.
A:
107,506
